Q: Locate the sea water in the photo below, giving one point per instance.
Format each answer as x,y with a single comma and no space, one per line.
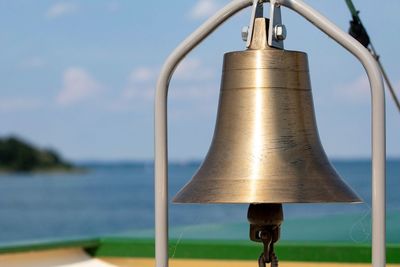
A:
117,199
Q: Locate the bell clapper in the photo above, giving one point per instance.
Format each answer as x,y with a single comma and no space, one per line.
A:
265,223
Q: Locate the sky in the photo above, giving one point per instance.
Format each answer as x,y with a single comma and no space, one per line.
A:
79,76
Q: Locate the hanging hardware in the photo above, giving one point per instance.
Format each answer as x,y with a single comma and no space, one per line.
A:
378,121
265,225
276,30
256,12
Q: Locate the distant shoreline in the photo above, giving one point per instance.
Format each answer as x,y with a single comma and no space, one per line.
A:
56,170
147,162
19,156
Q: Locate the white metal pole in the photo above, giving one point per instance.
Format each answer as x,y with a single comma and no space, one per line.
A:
160,123
378,121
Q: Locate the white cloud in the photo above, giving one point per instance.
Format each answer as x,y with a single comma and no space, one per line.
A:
356,91
138,92
192,69
141,74
139,89
60,9
203,9
18,104
140,85
191,82
142,80
195,92
78,85
33,63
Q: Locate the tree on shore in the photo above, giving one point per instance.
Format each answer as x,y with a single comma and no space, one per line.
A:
18,155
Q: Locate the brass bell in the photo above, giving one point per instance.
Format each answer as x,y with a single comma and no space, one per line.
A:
266,147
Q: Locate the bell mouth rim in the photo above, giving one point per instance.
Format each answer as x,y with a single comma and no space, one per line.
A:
236,191
355,202
202,190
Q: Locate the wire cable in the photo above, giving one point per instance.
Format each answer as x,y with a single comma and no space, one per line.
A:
358,31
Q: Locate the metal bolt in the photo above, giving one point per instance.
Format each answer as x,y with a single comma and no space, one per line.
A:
245,33
280,32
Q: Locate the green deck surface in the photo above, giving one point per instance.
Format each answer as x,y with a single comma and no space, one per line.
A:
334,228
49,244
213,249
243,250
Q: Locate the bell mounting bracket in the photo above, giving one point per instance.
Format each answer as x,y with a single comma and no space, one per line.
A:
378,136
275,20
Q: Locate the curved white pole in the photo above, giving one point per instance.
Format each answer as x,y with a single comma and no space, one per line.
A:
378,122
160,123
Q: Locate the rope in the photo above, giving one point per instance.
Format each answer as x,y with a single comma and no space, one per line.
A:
386,78
358,31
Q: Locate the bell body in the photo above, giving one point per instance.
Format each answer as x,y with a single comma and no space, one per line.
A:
266,147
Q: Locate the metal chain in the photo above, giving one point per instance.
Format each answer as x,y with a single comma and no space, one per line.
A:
263,263
274,260
268,255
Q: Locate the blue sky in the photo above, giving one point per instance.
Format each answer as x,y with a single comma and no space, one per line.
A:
79,76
